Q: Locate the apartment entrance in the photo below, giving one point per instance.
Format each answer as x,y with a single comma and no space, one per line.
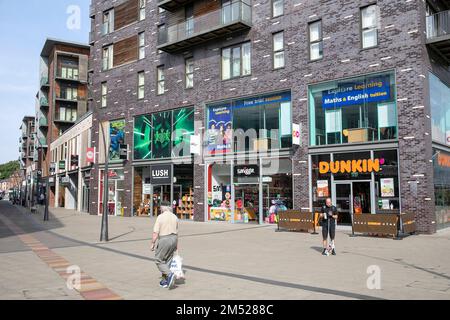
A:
352,197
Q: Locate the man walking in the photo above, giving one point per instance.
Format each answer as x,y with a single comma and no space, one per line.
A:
165,232
328,217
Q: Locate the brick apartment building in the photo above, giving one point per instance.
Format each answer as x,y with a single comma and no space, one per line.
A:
61,101
26,150
364,86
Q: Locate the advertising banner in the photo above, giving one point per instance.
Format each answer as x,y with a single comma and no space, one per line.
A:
355,93
387,187
296,139
220,132
117,137
161,174
322,189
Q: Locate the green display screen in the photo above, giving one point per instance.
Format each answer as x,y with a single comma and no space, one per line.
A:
143,137
164,134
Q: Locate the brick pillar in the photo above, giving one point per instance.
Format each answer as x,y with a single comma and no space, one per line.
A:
199,170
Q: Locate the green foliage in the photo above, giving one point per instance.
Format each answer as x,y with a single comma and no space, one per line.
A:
7,169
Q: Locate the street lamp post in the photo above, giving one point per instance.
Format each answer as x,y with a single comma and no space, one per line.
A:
104,229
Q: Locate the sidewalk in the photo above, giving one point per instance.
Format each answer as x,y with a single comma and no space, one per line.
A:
225,261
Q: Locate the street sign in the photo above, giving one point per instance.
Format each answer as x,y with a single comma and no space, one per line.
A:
90,155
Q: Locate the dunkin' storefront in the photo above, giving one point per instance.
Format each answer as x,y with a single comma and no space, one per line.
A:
362,182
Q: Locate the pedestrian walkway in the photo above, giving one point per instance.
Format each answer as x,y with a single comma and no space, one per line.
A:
225,261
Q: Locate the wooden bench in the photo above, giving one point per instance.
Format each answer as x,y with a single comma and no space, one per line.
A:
294,220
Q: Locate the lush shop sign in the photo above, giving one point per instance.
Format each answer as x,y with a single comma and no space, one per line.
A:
351,166
354,93
161,174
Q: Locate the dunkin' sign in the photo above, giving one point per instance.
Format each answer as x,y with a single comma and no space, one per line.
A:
351,166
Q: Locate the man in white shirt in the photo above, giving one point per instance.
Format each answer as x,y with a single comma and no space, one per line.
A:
165,232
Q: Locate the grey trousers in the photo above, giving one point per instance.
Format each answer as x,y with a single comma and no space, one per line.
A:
167,245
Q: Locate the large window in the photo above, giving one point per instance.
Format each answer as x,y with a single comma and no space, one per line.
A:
278,50
440,110
104,95
236,61
163,134
108,22
251,124
369,26
441,164
315,40
142,9
141,45
354,110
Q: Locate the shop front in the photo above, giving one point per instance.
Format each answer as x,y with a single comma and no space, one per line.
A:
441,164
362,182
247,158
248,191
86,186
116,192
163,166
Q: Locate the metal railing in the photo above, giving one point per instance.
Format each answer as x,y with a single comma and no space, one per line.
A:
438,25
43,101
44,81
228,14
43,122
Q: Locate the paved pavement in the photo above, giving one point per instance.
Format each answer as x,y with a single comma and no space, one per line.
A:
222,261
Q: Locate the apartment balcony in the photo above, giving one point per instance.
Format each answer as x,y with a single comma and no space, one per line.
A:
91,38
43,101
44,82
42,142
438,34
43,123
91,11
217,24
171,5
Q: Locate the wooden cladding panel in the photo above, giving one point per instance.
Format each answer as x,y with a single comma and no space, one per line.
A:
126,51
126,14
206,6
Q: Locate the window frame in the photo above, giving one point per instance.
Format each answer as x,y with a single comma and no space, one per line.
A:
141,47
160,80
140,86
110,58
361,29
319,41
108,27
273,7
104,95
241,61
188,73
282,50
142,6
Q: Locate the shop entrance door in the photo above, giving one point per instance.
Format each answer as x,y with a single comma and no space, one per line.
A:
342,195
352,197
247,206
160,193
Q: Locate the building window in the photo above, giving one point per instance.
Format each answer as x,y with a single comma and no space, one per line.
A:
440,110
189,73
277,8
68,93
369,26
236,61
278,50
354,110
104,94
315,40
108,22
160,80
141,45
142,10
107,57
141,85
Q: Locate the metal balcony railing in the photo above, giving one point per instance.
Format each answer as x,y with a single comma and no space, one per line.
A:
43,122
44,81
207,24
438,25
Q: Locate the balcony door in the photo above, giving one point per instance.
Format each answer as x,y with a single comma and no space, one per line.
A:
189,18
230,11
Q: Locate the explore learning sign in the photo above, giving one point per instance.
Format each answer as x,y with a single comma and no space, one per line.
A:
354,93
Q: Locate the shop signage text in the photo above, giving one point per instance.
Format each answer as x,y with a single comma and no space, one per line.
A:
444,160
374,90
246,171
351,166
161,174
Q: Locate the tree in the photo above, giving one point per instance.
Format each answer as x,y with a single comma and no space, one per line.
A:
7,169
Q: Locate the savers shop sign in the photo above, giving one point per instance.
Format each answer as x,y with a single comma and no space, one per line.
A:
354,93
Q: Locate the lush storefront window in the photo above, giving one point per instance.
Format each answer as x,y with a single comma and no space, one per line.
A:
164,134
251,124
440,110
354,110
442,187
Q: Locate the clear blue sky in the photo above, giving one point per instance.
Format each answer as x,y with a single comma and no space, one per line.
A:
24,26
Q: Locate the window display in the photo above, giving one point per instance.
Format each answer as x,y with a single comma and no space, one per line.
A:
355,110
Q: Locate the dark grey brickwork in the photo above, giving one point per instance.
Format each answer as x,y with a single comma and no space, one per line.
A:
401,37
